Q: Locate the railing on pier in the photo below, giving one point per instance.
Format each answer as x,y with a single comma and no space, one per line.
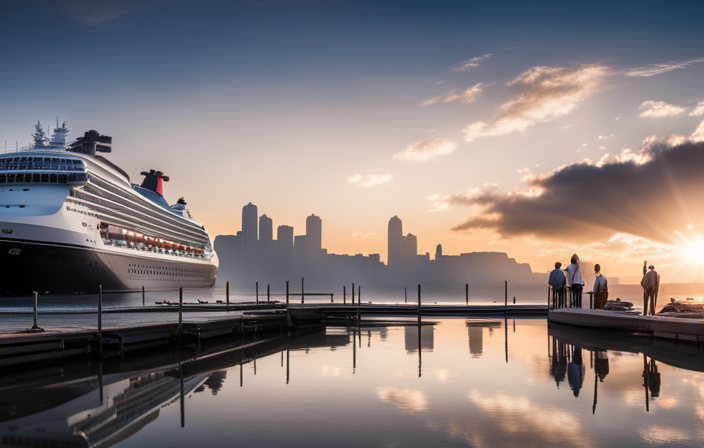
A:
567,298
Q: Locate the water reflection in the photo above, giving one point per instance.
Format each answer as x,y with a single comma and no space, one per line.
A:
359,386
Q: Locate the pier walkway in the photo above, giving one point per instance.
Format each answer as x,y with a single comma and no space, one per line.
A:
680,329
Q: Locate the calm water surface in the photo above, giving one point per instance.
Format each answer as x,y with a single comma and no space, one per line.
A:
480,383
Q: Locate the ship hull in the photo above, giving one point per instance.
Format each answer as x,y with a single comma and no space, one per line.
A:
27,266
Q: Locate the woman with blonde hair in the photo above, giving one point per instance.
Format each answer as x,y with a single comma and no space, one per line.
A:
574,279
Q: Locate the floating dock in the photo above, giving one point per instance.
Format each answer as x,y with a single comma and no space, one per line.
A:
242,322
673,328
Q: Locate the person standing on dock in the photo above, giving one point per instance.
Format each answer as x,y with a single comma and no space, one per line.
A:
557,282
600,289
574,277
651,285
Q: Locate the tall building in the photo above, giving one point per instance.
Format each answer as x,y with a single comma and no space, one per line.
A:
266,228
249,222
284,236
438,252
409,248
314,234
395,241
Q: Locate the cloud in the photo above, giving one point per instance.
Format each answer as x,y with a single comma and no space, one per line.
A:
96,12
546,93
466,96
408,401
471,63
427,149
605,137
362,236
698,134
659,109
698,110
658,69
585,201
369,180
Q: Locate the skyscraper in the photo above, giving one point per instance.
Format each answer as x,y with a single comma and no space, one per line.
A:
266,229
249,222
395,241
314,234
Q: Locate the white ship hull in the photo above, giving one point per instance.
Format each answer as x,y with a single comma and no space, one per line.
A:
54,237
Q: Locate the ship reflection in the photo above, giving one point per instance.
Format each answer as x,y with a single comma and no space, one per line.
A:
86,408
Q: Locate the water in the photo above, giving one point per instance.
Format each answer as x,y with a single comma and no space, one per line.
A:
481,383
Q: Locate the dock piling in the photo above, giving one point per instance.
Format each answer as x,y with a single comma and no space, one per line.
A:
256,288
268,293
143,296
288,311
100,321
352,293
505,293
227,296
419,306
35,297
180,312
303,296
466,294
331,298
344,294
359,294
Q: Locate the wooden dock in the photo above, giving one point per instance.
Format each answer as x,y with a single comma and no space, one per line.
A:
673,328
242,322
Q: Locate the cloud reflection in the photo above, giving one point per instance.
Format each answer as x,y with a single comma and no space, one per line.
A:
408,401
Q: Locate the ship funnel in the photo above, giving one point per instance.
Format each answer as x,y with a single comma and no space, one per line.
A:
90,143
154,180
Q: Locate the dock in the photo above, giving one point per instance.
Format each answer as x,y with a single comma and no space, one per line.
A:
672,328
236,323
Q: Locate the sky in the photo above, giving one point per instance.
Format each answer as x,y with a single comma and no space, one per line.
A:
540,129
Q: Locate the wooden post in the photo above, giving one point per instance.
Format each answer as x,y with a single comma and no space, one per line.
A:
331,298
256,287
419,307
35,298
227,296
288,313
183,401
303,298
143,297
466,294
549,298
180,311
359,303
100,321
344,294
268,293
352,293
505,293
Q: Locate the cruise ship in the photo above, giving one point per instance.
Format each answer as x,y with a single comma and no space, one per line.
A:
70,220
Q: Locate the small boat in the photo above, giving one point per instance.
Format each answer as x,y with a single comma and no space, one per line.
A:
618,305
690,307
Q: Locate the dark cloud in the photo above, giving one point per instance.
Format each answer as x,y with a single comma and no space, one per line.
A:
582,202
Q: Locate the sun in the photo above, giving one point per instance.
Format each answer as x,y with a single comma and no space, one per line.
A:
693,250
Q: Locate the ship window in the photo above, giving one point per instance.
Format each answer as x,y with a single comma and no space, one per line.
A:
10,178
45,177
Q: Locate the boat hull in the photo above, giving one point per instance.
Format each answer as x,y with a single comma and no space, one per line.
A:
27,266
